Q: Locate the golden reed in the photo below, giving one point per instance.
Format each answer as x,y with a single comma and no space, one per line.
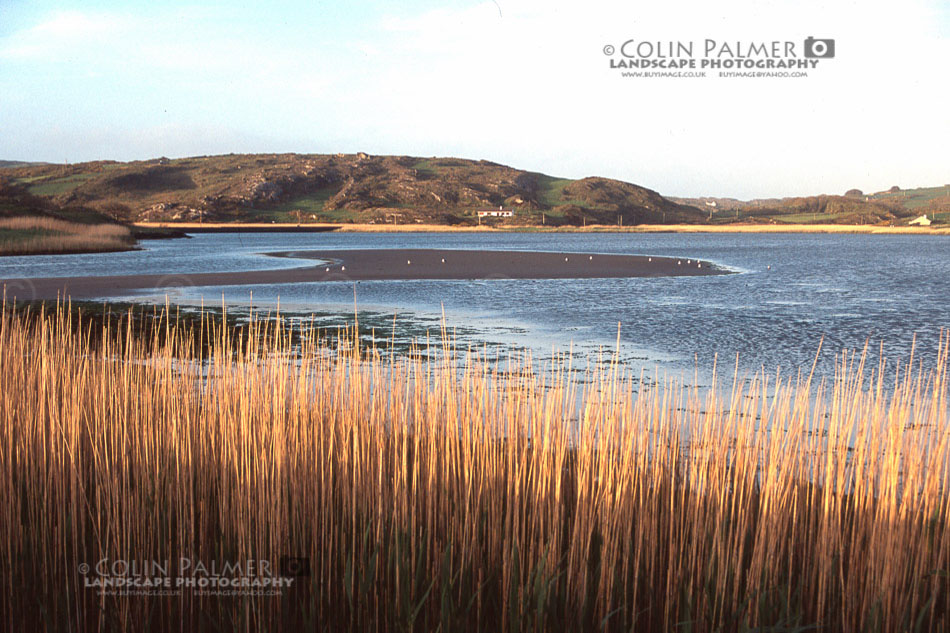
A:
458,494
50,235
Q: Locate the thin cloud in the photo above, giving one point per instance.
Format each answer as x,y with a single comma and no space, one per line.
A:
58,37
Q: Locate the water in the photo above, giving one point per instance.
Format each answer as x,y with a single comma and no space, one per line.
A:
843,289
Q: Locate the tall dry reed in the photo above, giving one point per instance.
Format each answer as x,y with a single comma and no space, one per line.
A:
33,235
459,494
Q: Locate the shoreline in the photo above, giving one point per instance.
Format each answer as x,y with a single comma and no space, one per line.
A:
319,227
378,265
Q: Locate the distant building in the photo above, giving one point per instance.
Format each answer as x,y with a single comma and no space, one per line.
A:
712,204
921,221
496,213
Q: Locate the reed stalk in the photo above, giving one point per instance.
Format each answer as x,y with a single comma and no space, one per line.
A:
456,492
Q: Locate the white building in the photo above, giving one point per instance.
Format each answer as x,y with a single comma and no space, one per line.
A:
499,213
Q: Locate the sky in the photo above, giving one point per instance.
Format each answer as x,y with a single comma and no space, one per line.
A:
524,83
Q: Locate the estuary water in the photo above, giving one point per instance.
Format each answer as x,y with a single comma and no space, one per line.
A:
789,293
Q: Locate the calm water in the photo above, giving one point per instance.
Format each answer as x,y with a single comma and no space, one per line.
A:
845,289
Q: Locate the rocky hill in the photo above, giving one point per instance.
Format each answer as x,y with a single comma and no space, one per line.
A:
826,209
16,201
341,188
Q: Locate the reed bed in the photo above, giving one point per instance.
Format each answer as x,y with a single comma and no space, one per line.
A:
41,235
460,494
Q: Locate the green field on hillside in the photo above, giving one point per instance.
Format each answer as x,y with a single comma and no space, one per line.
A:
914,198
806,218
46,186
313,203
551,190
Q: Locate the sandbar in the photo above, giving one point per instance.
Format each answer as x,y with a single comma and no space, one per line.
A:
378,264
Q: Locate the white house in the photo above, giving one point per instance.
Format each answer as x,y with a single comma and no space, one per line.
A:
921,221
496,213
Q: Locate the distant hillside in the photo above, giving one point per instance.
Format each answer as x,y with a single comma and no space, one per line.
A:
32,225
934,201
892,207
16,201
16,163
342,188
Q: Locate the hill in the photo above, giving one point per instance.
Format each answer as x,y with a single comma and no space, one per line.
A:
852,208
341,188
16,163
934,201
31,225
17,201
359,188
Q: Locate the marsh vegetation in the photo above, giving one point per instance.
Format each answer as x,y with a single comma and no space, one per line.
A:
449,492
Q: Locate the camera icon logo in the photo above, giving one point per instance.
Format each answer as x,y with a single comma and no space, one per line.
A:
294,566
820,49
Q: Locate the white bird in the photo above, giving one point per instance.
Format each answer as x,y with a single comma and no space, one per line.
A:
649,259
565,259
689,261
443,260
679,262
769,267
408,261
328,270
342,267
698,265
591,258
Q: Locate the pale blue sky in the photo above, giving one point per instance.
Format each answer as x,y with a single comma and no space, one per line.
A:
523,83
